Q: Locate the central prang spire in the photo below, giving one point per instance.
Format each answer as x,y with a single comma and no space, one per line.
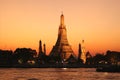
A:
62,50
62,19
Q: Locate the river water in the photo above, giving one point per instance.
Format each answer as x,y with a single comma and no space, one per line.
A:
55,74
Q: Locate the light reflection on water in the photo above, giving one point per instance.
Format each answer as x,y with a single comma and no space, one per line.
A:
55,74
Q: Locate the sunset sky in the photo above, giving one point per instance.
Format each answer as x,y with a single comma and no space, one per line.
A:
24,22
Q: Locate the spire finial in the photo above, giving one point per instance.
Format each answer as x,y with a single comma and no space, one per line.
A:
62,19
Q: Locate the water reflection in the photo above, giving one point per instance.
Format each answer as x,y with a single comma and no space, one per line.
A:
23,78
33,79
55,74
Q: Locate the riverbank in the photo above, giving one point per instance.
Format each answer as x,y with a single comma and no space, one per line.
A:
51,66
111,68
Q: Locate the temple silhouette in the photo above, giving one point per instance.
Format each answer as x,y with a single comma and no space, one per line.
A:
62,48
62,51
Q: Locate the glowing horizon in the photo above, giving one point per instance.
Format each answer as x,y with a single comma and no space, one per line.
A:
24,22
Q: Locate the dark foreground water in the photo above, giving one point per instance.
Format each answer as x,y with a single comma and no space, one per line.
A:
55,74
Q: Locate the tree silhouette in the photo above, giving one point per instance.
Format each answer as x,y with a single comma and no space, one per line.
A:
98,57
6,57
22,55
113,57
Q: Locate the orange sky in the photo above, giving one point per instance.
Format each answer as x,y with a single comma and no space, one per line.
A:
24,22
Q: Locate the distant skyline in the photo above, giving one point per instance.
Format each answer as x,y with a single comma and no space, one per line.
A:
24,22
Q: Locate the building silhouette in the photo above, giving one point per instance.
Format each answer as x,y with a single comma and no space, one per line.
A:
42,53
79,51
62,49
44,48
40,47
83,55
